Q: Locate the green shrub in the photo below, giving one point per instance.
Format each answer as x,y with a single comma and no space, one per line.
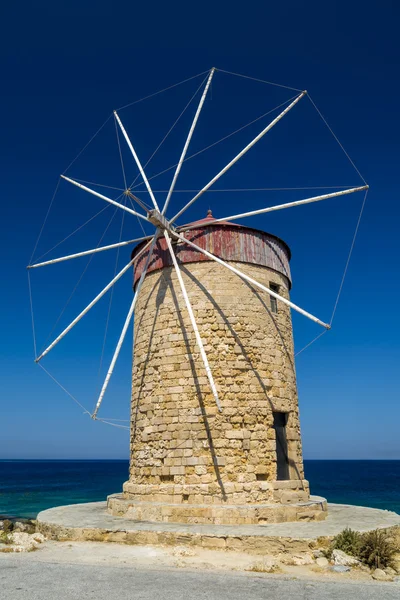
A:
348,541
377,549
7,526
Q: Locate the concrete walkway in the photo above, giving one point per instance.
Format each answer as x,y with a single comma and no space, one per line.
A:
31,578
92,522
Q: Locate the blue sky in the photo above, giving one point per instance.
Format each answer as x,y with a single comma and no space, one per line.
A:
66,66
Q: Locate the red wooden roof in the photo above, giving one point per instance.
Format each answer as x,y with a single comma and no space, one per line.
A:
229,241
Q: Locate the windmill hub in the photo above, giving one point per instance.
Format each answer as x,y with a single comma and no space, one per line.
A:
158,220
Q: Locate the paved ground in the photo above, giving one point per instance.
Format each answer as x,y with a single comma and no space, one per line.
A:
29,578
93,515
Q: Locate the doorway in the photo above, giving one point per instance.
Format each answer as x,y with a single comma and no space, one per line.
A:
282,459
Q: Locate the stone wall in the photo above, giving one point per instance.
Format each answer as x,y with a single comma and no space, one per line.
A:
183,451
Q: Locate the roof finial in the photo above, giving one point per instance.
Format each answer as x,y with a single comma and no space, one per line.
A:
209,213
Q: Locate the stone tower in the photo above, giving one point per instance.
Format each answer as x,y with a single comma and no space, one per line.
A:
189,462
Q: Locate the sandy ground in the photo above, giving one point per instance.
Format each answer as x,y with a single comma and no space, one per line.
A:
181,557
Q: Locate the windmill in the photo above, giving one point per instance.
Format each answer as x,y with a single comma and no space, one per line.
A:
185,473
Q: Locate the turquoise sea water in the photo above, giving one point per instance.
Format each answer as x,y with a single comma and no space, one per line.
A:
27,487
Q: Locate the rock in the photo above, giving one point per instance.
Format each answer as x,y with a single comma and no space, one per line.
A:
39,537
22,542
390,572
379,575
340,569
178,551
341,558
318,554
364,568
268,565
322,562
20,526
296,559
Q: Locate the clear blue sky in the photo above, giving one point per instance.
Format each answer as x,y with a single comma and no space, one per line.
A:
66,66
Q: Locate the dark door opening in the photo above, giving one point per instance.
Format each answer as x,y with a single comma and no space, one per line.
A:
282,459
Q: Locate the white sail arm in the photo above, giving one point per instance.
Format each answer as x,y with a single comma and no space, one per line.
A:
251,280
137,161
90,305
238,156
94,193
193,321
86,252
124,330
189,137
280,207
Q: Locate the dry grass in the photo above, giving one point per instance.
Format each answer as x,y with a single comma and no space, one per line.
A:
264,567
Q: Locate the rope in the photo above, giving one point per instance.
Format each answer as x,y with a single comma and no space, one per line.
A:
110,187
138,220
310,343
223,138
171,128
75,231
335,136
161,91
259,80
85,411
119,420
112,424
32,317
45,220
349,256
276,189
64,389
89,142
80,278
111,296
343,276
58,183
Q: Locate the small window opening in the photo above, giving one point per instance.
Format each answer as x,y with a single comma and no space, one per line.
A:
274,302
282,459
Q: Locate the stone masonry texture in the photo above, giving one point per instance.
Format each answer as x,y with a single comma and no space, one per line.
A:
183,450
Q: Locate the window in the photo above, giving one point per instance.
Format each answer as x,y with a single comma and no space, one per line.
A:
274,301
282,459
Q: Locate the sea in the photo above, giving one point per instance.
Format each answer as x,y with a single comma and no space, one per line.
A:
29,486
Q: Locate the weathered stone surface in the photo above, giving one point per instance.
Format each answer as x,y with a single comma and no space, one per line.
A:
213,513
183,450
266,565
340,569
322,562
341,558
296,559
380,575
20,541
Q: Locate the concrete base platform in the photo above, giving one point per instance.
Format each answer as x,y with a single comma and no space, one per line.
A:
92,522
